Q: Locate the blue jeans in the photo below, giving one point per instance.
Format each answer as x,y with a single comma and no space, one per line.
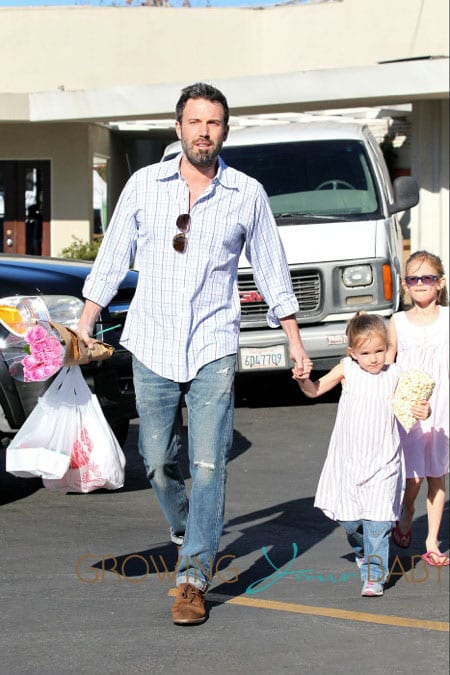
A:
370,541
195,523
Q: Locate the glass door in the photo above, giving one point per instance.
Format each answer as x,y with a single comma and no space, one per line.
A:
25,206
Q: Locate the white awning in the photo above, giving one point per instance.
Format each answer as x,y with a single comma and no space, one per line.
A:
380,84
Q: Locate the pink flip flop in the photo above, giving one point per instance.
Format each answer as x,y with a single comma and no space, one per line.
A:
402,539
436,559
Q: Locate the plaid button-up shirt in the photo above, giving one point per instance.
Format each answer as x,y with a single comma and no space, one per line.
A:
186,309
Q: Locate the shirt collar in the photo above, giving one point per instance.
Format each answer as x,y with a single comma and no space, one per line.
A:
169,169
225,176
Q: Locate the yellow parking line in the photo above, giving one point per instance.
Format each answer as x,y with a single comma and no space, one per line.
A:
331,612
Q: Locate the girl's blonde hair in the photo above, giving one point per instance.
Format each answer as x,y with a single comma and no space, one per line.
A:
420,257
363,326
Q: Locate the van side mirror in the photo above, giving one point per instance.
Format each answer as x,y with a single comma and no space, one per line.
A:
406,194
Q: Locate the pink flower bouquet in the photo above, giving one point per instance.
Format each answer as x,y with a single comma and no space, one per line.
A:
48,347
45,355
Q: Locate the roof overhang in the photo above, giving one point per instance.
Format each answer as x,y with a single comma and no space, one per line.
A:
14,107
380,84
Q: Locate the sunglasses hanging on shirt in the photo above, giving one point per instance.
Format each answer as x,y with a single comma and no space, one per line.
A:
180,240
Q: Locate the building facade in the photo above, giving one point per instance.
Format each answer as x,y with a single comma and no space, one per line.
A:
72,77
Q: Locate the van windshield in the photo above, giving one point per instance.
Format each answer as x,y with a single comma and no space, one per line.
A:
324,179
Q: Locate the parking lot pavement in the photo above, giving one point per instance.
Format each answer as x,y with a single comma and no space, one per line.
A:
87,580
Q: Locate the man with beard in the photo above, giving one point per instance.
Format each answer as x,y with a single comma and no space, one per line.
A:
187,220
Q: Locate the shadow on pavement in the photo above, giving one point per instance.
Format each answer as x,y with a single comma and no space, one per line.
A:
13,488
269,390
135,477
404,561
293,528
273,538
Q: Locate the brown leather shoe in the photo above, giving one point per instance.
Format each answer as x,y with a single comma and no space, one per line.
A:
189,606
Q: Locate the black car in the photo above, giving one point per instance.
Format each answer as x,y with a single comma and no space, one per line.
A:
58,282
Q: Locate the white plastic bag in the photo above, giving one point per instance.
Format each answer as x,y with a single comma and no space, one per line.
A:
96,458
43,444
67,440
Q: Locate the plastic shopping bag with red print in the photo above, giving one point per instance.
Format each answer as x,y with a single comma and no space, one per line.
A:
96,458
67,440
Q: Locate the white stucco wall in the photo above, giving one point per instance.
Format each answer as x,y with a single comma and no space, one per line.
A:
91,63
98,47
70,149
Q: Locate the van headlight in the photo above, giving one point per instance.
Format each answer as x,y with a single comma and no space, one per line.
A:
17,311
358,275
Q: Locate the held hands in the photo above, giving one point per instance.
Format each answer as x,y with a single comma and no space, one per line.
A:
303,367
421,410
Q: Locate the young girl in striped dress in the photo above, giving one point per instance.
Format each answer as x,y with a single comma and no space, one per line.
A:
361,484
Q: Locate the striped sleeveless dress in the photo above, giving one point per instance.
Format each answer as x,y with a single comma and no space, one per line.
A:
363,474
426,348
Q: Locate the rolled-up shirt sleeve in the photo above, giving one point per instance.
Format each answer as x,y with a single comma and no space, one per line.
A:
265,252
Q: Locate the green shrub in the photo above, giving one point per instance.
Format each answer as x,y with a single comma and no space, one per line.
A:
82,250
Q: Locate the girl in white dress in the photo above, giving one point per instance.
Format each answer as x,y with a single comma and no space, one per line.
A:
419,337
361,484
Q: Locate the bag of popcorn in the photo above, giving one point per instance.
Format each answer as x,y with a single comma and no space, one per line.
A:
413,386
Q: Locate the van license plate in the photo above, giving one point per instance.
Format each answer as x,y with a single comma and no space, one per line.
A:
255,358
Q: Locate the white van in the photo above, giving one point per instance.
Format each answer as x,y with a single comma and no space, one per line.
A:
334,204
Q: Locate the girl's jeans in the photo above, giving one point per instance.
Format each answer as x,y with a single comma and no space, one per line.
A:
370,542
195,523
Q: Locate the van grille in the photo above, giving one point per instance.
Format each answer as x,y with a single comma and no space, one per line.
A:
307,288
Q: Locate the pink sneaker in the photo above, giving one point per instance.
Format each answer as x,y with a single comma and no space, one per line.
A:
372,589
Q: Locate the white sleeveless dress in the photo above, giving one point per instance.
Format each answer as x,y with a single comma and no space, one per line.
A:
363,474
426,446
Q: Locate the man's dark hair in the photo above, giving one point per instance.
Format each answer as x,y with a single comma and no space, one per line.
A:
201,90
